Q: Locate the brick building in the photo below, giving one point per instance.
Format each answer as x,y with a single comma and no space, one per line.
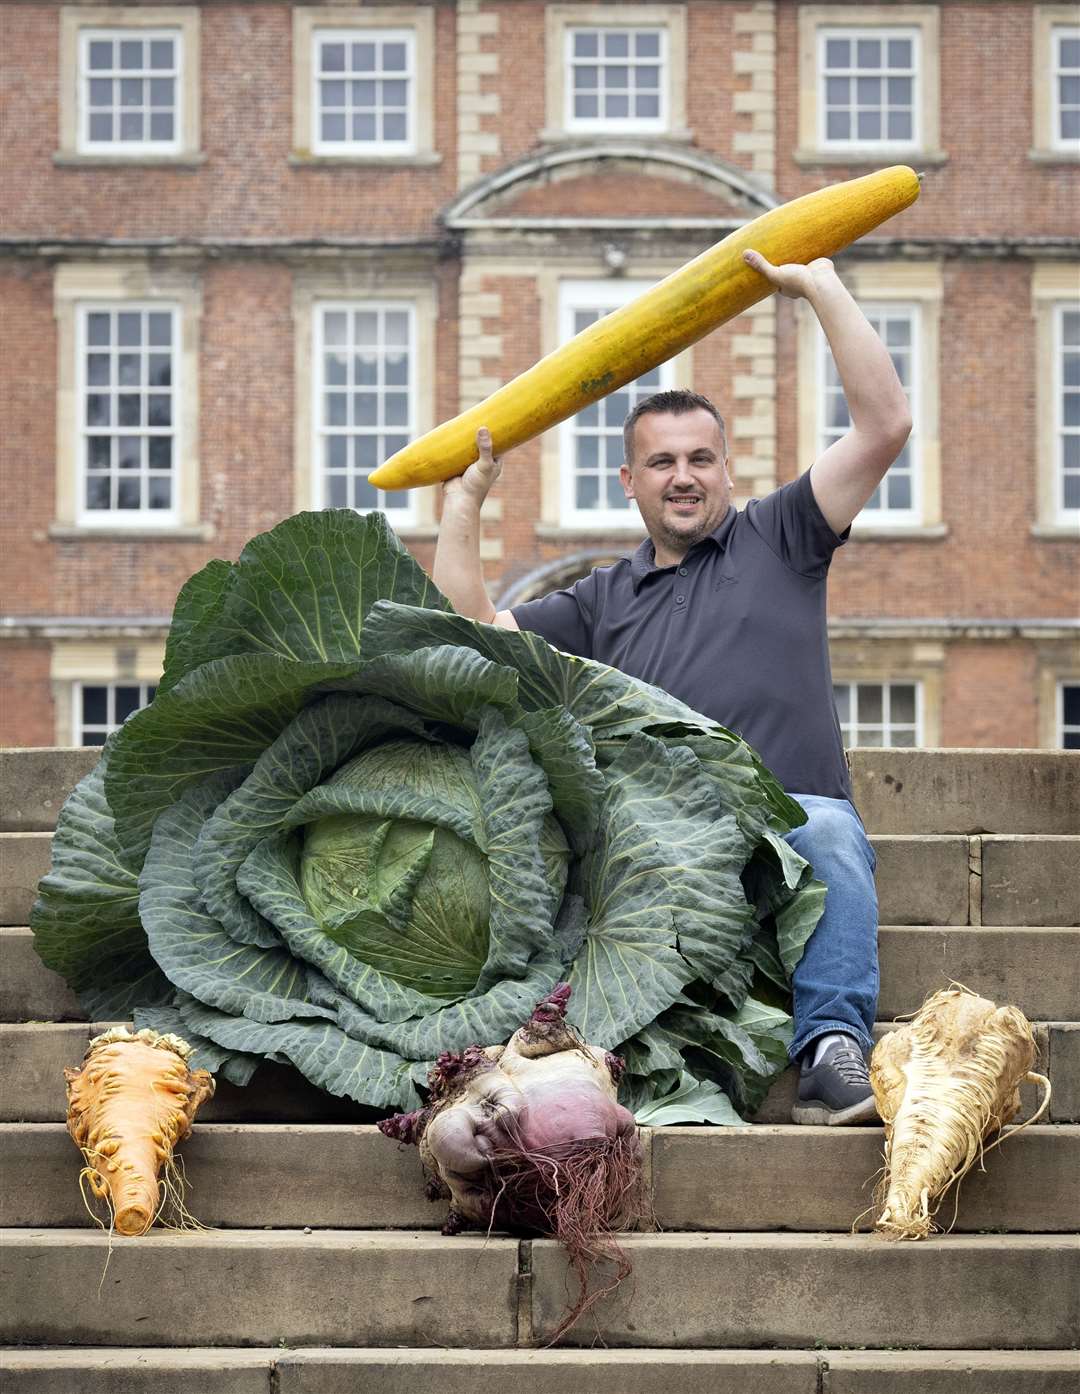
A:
247,249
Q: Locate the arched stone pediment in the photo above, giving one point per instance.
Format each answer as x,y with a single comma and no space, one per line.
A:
603,183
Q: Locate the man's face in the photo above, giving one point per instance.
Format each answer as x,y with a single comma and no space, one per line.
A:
679,479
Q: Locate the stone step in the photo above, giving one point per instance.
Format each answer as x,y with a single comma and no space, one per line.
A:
896,791
942,880
967,791
345,1176
33,1056
329,1370
370,1288
1037,970
1034,969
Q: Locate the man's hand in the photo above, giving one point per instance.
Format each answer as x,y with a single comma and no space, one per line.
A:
794,280
476,483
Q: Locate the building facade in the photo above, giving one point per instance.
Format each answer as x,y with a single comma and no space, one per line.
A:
247,250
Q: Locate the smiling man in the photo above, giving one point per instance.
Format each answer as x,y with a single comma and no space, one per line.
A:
726,611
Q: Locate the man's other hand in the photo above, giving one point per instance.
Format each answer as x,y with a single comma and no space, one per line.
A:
793,279
476,483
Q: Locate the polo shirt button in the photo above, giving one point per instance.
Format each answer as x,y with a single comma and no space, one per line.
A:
683,571
679,599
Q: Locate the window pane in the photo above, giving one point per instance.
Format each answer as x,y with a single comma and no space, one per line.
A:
869,126
586,108
129,452
159,329
902,738
98,491
97,328
842,698
900,125
160,491
1070,493
588,490
95,706
899,490
127,700
647,44
335,327
332,126
902,703
98,409
616,498
866,735
337,490
899,53
161,53
1069,53
588,452
837,53
101,127
617,107
395,126
159,410
868,53
365,495
128,494
129,407
394,57
160,452
647,77
585,44
131,53
838,125
616,45
870,705
1070,699
837,91
161,125
98,453
868,91
333,58
101,54
159,370
101,91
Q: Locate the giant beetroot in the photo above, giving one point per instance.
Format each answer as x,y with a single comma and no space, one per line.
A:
529,1137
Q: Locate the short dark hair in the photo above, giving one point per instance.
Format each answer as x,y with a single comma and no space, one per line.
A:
677,402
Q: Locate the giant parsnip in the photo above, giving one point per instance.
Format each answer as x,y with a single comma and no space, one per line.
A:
944,1083
660,323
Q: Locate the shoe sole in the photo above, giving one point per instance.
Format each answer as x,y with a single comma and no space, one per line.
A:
865,1111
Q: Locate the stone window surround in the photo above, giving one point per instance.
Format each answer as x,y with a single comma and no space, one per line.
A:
919,283
548,281
559,18
183,18
418,18
1053,283
79,284
924,18
589,291
1045,147
316,285
98,661
917,661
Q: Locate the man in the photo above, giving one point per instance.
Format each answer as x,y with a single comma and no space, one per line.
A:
726,611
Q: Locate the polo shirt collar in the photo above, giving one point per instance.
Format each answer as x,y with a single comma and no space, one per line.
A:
643,562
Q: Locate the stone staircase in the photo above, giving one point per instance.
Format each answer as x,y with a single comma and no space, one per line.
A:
326,1272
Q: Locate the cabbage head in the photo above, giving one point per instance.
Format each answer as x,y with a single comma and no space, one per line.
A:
354,830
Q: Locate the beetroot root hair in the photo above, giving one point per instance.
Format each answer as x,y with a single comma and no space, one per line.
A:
580,1194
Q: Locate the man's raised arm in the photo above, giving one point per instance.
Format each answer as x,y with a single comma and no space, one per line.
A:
846,474
457,571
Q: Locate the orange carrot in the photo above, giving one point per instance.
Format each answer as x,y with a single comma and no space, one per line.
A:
133,1099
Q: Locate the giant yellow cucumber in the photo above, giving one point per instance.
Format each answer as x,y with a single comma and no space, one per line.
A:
661,322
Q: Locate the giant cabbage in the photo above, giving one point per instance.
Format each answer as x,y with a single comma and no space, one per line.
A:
354,830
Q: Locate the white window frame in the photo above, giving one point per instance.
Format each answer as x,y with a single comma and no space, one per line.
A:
179,22
670,18
79,727
886,724
398,517
885,517
1066,517
592,295
1059,713
628,125
1066,144
350,147
853,33
138,148
137,519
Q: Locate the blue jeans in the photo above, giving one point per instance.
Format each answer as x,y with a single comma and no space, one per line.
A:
836,980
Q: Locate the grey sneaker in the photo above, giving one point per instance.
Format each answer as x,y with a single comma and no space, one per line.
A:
837,1089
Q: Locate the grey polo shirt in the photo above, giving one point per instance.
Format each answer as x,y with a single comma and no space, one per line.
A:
737,631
